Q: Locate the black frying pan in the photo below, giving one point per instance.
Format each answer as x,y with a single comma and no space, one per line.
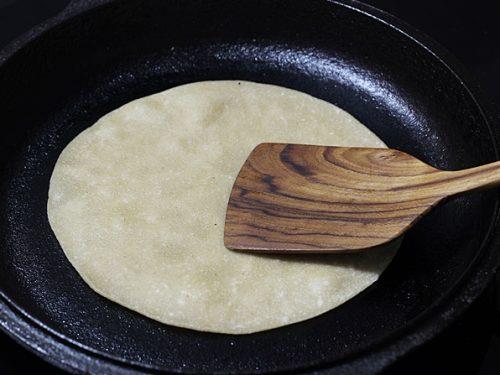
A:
97,55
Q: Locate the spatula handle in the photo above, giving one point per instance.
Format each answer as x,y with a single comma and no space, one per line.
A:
451,183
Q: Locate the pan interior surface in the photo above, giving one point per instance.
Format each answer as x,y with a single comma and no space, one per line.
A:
65,79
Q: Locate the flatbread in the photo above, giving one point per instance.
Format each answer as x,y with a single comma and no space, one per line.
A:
137,202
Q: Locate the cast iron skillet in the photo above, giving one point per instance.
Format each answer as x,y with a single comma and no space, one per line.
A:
62,76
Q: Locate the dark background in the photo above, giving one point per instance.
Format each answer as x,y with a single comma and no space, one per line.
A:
470,30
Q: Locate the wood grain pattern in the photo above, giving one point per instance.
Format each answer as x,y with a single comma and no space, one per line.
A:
303,198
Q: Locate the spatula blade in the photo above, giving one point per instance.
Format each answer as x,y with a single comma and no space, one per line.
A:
303,198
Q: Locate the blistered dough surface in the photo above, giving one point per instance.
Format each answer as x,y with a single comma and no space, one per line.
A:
137,202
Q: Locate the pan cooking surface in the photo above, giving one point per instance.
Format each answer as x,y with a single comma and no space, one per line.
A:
64,80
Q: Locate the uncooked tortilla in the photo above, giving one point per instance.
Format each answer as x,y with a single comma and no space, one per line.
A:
137,202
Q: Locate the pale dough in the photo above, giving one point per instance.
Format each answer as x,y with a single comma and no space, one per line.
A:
137,202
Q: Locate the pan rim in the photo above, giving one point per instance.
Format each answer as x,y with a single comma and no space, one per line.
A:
443,311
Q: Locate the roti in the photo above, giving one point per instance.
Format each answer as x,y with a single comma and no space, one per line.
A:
137,202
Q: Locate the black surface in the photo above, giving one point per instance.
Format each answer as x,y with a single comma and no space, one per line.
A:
427,114
468,29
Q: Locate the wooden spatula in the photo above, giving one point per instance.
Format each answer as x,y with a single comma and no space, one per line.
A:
301,198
